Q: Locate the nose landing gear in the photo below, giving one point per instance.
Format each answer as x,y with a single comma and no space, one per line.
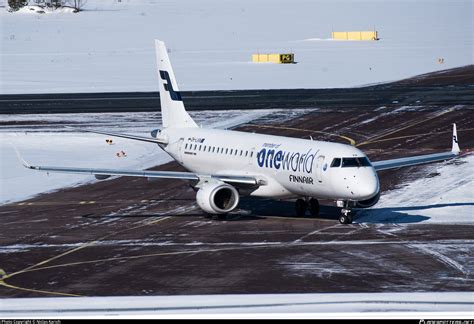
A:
346,212
346,217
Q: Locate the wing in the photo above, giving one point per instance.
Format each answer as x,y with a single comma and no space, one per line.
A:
102,174
420,159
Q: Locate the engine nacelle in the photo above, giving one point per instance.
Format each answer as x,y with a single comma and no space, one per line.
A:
369,202
217,197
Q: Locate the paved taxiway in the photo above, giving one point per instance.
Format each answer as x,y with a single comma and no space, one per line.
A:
134,237
431,91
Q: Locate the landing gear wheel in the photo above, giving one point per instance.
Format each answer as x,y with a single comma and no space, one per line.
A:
345,219
300,207
314,207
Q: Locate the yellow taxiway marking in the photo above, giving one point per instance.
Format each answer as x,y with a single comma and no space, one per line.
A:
4,284
133,257
350,140
37,265
236,248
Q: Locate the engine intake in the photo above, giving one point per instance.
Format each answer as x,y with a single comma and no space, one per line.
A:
217,197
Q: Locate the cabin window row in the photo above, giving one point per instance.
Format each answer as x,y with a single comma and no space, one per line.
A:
218,150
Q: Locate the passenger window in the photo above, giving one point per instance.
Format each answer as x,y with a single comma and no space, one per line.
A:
186,146
231,150
226,150
195,146
246,153
200,147
336,163
241,152
251,154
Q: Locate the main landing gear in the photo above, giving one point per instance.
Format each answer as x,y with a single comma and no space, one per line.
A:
302,205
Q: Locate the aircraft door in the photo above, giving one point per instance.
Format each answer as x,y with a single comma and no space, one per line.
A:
321,167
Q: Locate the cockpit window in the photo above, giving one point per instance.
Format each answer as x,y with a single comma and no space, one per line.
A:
355,162
336,163
350,162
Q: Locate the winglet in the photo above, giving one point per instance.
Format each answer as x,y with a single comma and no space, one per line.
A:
455,148
25,164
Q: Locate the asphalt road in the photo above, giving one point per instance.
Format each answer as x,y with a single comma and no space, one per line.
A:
448,88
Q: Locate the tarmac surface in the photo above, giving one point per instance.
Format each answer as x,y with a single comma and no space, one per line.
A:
430,89
128,236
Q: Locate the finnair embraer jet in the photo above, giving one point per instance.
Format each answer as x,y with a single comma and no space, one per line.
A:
224,164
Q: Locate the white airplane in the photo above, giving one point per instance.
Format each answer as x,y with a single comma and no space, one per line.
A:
225,165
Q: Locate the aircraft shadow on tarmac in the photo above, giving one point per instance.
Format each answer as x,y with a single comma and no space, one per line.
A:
252,208
395,215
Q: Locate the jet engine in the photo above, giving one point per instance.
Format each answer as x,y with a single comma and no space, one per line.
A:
368,202
217,197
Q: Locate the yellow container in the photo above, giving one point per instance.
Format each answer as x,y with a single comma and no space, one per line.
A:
356,35
274,58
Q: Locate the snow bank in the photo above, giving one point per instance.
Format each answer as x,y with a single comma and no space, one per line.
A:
109,45
352,305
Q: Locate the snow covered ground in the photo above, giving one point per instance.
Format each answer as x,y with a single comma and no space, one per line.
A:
109,46
356,305
45,143
447,197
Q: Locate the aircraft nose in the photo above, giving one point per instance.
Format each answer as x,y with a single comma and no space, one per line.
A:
369,187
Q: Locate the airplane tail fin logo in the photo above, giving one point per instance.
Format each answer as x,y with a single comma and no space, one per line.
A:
455,145
173,112
175,95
